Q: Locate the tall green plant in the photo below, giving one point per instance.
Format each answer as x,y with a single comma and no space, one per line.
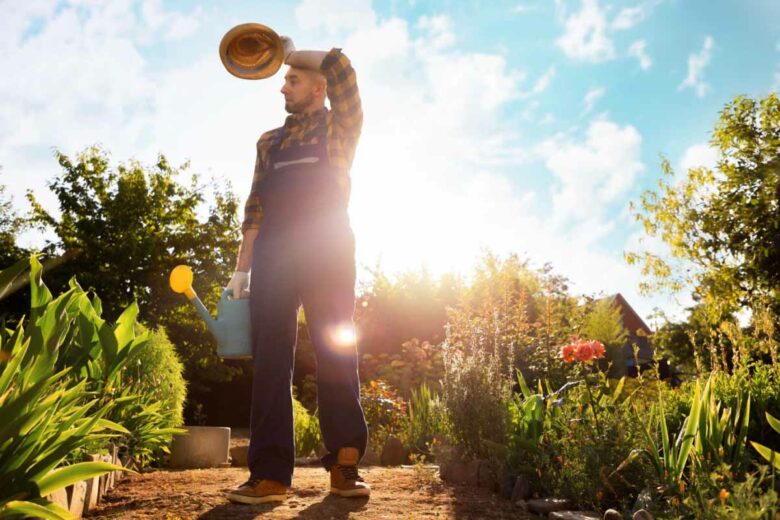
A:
773,457
44,414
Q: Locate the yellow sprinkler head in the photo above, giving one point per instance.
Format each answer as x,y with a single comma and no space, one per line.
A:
181,281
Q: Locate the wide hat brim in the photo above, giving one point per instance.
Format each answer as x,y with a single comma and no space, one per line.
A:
251,51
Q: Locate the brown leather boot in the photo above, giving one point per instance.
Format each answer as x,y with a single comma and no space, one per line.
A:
257,491
344,478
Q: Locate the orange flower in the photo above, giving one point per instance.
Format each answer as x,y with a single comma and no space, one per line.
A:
584,351
599,496
567,352
598,349
724,495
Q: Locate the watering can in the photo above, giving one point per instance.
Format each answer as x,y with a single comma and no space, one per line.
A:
232,328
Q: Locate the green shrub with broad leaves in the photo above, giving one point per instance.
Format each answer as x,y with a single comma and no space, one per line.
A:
48,412
66,389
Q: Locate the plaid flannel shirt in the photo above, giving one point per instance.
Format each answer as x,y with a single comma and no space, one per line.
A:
343,124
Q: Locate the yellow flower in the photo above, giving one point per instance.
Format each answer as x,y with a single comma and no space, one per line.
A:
724,495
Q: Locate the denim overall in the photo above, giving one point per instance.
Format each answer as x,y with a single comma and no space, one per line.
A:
304,253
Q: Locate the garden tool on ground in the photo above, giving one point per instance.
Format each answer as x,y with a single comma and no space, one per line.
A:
232,328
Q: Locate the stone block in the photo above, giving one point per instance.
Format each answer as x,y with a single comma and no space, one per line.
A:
91,496
77,494
201,447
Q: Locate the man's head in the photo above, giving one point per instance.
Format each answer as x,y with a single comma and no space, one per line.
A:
304,90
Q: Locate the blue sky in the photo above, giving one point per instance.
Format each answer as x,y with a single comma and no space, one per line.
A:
523,126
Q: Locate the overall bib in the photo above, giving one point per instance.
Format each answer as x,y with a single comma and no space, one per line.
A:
304,254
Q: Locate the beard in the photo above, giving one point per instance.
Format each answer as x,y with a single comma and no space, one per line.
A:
300,106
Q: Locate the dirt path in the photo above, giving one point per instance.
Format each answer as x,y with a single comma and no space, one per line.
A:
397,493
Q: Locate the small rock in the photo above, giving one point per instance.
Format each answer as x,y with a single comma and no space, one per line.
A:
612,514
574,515
642,514
393,452
545,506
522,489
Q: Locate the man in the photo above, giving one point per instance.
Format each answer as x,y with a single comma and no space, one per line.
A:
299,245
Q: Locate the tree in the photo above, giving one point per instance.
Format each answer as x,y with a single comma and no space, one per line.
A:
10,225
604,323
130,226
722,226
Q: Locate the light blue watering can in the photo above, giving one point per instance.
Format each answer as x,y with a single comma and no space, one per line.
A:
232,328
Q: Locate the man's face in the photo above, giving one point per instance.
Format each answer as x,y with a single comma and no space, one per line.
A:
300,90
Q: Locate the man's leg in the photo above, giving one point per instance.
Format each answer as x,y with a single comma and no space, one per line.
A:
274,309
328,297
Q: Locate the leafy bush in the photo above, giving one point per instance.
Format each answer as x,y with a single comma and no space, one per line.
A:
159,371
588,433
307,430
385,412
419,362
427,421
475,390
45,414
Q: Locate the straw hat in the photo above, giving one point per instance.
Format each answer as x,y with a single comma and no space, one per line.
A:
252,51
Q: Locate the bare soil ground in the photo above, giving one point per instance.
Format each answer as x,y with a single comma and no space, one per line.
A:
401,492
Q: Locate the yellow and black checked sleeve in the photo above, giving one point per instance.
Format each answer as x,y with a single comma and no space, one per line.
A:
346,108
253,210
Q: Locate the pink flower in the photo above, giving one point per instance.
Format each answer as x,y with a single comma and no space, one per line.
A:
582,350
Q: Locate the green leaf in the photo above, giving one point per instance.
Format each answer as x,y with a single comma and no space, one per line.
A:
774,423
9,275
59,478
771,456
48,512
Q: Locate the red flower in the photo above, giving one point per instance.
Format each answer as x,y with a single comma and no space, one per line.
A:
583,350
567,352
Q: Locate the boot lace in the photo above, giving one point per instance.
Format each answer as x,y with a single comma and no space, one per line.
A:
351,473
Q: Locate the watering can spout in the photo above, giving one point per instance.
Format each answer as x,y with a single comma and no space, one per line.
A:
231,329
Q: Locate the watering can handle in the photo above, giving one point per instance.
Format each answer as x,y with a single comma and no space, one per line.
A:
227,294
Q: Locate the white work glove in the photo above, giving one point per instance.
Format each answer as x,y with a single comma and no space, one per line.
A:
287,45
239,284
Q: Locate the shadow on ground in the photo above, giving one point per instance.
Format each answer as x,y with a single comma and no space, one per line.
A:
331,507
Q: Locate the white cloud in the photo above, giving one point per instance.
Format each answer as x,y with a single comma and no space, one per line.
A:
592,97
594,174
638,49
697,62
628,17
585,37
175,25
697,156
335,15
